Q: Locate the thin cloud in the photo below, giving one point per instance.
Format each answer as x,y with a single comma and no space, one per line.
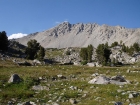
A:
66,20
57,22
17,35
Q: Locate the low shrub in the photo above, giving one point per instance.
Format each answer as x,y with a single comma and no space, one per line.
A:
84,62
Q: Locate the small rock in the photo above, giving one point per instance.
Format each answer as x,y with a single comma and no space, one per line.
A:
28,103
55,103
128,100
130,96
132,104
95,74
40,78
19,103
121,86
73,101
112,102
50,101
84,95
135,94
118,103
32,103
97,98
123,93
10,103
39,87
73,87
128,71
119,91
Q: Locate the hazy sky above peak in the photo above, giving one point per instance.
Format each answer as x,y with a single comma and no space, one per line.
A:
29,16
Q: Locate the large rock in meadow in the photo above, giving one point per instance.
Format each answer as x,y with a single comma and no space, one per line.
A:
118,80
100,80
14,78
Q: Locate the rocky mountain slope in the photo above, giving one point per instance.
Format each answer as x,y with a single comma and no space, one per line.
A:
81,35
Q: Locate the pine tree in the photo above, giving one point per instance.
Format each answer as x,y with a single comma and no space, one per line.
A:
124,48
100,53
32,49
41,53
106,45
3,41
121,42
103,53
136,47
90,52
114,44
131,50
84,54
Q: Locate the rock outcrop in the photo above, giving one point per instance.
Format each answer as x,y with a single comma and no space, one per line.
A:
118,56
81,35
118,80
100,80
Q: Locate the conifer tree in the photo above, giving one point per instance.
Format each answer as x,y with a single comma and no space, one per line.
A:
114,44
3,41
84,54
90,52
41,53
136,47
34,50
103,53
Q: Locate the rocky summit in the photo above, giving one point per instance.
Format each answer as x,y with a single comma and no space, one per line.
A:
81,35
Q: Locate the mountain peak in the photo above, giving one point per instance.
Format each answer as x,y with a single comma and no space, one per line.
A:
64,23
81,35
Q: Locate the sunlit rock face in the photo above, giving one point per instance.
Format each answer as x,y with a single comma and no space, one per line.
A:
81,35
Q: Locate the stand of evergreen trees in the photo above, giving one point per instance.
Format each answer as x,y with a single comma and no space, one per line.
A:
132,49
86,54
103,52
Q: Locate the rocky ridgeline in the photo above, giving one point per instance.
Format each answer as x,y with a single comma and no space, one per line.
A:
81,35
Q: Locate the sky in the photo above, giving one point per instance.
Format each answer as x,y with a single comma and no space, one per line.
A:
22,17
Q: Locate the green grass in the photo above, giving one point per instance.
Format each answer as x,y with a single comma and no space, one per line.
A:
51,53
77,76
19,91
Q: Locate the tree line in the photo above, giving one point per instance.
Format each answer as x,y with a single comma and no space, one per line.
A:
129,50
